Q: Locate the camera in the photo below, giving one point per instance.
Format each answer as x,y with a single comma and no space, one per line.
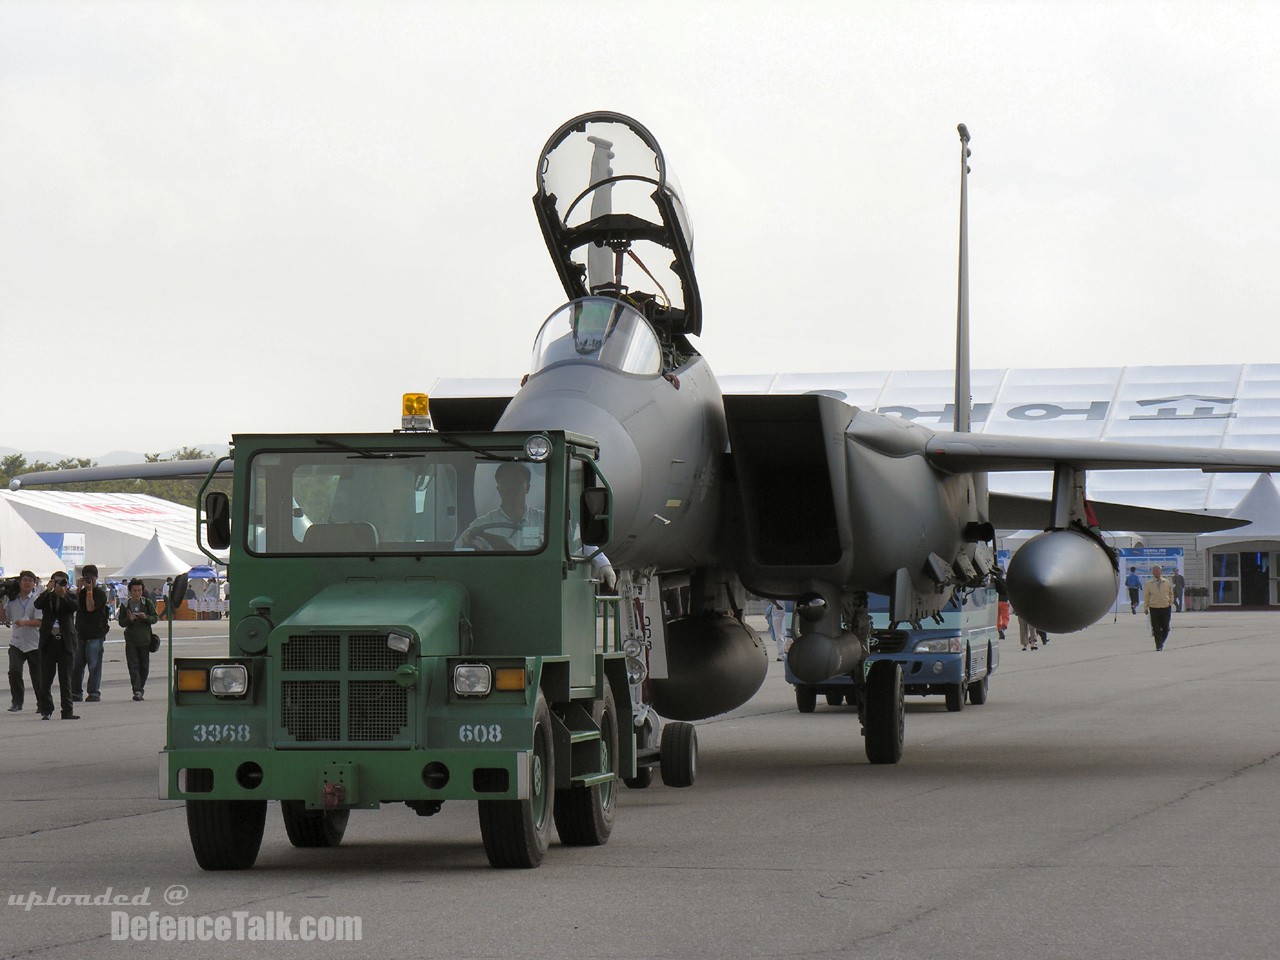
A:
10,588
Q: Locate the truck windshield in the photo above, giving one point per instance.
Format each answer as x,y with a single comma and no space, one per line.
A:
393,502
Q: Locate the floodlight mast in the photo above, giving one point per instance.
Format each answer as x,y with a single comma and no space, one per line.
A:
964,396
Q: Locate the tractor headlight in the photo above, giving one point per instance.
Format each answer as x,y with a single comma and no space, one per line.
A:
472,680
229,680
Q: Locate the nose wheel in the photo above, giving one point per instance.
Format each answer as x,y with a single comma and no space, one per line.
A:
884,716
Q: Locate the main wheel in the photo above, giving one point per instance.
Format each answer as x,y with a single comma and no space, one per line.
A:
516,832
584,815
226,834
885,718
806,699
978,691
313,828
955,697
679,754
834,698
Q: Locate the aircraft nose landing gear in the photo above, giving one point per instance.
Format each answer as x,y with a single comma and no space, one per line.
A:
880,708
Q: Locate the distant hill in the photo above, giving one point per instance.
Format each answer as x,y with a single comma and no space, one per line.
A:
109,459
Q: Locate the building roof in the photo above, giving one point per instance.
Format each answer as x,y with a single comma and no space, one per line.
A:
1261,507
116,525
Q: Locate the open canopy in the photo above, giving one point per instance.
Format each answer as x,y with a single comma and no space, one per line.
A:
614,221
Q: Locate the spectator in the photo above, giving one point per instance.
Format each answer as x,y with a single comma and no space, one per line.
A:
24,644
1179,586
57,645
137,616
93,621
1158,602
1134,584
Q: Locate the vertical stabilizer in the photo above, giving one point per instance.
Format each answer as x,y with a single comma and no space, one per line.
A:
964,393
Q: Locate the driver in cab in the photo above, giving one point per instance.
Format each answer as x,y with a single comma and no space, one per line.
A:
513,525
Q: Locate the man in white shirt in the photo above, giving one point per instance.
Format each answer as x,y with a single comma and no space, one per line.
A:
513,525
24,645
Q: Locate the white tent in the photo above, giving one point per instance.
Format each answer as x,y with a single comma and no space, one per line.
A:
155,561
21,548
1261,507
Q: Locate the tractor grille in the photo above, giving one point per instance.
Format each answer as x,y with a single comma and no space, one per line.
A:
337,688
311,653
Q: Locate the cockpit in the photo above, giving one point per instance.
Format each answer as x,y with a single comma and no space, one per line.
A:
600,330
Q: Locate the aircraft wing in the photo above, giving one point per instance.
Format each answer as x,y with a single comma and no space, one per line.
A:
1010,512
959,453
164,470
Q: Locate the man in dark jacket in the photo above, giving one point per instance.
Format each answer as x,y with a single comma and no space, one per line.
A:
57,644
93,620
136,616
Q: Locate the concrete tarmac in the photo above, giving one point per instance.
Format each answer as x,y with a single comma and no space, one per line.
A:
1107,802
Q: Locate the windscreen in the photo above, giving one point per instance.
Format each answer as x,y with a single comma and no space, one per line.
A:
600,330
370,502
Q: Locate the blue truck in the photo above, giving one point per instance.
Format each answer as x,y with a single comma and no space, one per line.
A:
954,658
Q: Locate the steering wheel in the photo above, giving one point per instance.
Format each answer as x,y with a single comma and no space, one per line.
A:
484,538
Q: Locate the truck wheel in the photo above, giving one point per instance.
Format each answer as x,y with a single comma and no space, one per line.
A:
516,832
806,699
584,815
644,775
885,721
955,697
834,698
313,828
226,834
978,691
679,754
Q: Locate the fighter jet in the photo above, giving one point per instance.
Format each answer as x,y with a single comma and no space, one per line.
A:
802,497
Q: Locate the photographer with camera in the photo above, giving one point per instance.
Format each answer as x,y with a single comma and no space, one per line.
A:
136,616
93,621
24,645
57,644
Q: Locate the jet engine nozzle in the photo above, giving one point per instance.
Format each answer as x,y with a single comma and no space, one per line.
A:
1061,581
714,664
817,657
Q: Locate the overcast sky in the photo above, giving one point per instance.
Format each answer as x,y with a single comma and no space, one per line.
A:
219,218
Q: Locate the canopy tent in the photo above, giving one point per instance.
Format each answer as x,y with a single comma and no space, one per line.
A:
1261,507
21,548
155,561
204,572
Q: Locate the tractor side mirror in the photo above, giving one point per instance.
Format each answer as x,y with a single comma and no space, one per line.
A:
596,520
217,518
